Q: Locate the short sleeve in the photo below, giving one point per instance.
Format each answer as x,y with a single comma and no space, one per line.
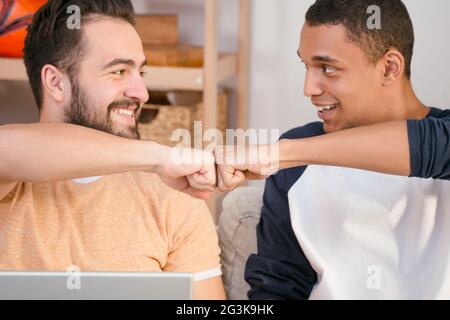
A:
193,240
429,141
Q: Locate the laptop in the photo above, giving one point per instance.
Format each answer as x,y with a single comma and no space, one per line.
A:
95,286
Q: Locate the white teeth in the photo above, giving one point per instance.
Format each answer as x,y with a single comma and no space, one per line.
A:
326,108
124,112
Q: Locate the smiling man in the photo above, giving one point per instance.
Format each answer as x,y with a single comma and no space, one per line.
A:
89,89
108,71
340,233
358,76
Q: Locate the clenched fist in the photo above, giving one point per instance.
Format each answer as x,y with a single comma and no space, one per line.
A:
192,171
200,172
235,164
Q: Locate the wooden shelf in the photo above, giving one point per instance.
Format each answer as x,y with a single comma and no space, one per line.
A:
157,78
188,78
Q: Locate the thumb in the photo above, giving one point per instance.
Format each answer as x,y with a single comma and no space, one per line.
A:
229,178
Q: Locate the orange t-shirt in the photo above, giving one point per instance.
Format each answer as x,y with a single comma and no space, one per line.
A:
121,222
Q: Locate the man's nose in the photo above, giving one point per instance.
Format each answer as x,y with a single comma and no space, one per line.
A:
137,90
312,85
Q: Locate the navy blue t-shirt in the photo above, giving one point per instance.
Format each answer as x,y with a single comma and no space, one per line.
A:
429,141
280,269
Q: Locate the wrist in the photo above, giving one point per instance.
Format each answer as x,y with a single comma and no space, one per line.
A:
285,156
292,153
155,156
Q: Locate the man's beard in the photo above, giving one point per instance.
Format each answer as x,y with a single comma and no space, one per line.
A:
78,113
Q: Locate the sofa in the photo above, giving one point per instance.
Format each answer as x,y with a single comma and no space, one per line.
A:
237,236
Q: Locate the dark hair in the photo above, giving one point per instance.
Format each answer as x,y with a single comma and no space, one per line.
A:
50,41
396,26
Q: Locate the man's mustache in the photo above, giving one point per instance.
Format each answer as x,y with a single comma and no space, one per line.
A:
125,103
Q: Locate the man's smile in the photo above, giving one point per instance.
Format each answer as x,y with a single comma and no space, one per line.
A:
125,114
326,111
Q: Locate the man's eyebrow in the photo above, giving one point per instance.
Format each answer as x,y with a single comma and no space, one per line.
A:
127,62
327,59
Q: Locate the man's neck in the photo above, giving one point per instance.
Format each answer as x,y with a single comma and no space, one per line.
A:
51,114
404,105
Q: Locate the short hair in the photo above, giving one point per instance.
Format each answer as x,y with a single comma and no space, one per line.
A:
396,26
50,41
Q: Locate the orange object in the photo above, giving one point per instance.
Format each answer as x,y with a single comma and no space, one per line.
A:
15,17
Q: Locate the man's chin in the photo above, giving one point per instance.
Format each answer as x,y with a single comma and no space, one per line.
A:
329,128
334,127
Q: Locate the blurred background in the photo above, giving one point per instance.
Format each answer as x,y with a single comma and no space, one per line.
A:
276,75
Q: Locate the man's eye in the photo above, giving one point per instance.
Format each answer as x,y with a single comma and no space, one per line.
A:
328,69
143,73
120,72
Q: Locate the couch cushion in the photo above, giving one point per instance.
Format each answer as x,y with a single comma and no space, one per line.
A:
237,237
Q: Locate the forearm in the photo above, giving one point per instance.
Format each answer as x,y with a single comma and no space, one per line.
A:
53,152
381,148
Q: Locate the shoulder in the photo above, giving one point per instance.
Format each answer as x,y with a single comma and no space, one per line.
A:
309,130
438,113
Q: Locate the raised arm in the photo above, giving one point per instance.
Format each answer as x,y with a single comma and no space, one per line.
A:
52,152
415,148
381,148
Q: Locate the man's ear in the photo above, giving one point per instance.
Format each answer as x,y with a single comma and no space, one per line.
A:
393,66
54,83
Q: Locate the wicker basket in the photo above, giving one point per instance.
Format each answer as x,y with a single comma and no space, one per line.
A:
165,119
